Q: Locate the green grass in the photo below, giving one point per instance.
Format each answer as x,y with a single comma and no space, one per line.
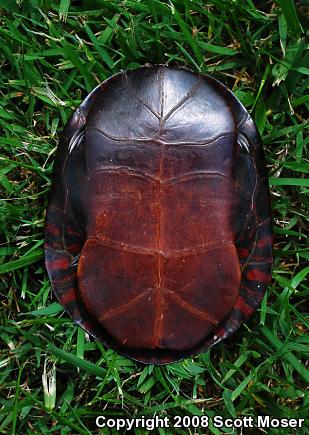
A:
51,55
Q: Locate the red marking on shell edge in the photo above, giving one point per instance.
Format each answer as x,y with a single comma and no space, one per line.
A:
257,275
259,259
242,253
61,263
74,248
242,306
64,280
72,232
51,228
264,242
68,296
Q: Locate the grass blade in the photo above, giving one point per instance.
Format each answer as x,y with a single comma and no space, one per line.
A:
77,362
286,355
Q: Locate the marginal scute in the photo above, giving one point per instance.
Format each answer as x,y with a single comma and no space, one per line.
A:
158,236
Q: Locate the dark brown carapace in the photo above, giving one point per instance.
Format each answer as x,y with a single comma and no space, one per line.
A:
158,234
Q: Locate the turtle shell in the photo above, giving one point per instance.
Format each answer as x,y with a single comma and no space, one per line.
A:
158,234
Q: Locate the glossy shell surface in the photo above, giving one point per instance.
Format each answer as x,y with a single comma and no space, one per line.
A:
158,235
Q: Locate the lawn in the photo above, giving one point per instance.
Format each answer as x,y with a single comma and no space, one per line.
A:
53,377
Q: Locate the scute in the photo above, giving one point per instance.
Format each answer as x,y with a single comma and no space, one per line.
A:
158,234
142,118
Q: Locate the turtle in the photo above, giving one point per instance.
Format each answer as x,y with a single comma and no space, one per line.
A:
158,238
